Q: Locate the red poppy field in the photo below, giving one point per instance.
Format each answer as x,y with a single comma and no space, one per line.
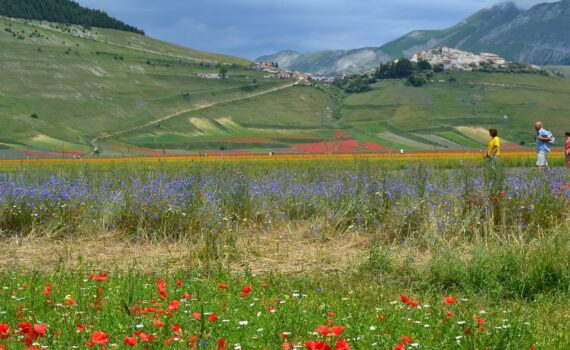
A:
284,254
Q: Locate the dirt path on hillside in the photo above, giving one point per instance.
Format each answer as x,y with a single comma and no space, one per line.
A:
179,113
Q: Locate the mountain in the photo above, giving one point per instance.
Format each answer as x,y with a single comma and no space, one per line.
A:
538,35
62,11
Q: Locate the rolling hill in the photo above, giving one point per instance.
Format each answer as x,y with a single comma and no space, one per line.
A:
69,90
537,35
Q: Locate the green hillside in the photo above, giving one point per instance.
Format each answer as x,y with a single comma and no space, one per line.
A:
63,86
455,109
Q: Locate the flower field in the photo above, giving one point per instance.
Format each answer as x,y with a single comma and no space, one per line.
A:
458,255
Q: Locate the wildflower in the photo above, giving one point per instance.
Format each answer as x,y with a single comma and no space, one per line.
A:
162,287
186,296
406,339
405,299
98,338
222,344
449,300
400,346
158,323
316,345
101,277
174,305
47,290
246,290
479,320
4,329
213,318
341,344
196,315
176,328
323,330
179,283
337,330
145,337
131,341
223,286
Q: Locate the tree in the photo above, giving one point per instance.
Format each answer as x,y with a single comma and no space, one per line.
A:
417,79
424,65
223,71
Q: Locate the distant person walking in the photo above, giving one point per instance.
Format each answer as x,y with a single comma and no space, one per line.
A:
567,149
494,148
544,140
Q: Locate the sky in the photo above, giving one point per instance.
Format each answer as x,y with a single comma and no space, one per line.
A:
251,28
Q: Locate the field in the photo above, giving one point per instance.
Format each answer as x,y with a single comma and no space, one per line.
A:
343,252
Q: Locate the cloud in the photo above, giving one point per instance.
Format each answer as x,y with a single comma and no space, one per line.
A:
250,28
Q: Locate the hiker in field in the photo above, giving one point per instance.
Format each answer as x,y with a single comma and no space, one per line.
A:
567,149
494,148
544,141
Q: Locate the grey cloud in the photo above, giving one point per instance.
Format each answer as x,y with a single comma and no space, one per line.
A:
250,28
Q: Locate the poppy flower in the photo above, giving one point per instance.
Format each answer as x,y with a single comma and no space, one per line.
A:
222,344
406,339
4,329
400,346
223,286
40,330
213,318
158,323
405,299
337,330
131,341
174,305
80,327
449,300
414,303
101,277
381,318
196,315
145,337
286,346
176,328
317,345
186,296
98,338
331,314
323,330
246,290
479,320
47,290
162,287
179,283
341,344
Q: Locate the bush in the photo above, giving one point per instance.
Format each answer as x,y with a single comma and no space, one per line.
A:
417,79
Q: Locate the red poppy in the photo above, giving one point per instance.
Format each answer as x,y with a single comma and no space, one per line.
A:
47,289
213,318
222,344
69,302
317,345
405,299
40,330
381,318
331,314
286,346
337,330
101,277
406,339
80,327
131,341
414,303
400,346
4,328
246,290
158,323
223,286
174,305
323,330
196,315
449,314
162,287
176,328
179,283
145,337
98,338
449,300
186,296
341,344
479,320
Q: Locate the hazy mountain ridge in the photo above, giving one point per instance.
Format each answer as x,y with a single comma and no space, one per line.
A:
538,35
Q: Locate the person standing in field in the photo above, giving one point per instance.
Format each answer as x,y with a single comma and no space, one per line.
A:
544,140
567,149
494,148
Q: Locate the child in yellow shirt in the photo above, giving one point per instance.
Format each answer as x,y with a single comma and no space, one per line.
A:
494,148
